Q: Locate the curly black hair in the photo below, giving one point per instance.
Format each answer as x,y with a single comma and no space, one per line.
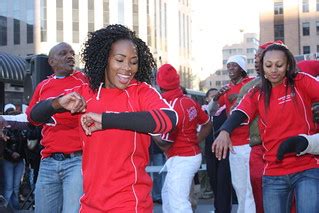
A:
97,48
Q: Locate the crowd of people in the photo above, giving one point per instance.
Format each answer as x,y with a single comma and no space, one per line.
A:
261,134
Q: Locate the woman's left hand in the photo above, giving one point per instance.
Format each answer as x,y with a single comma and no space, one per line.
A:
91,122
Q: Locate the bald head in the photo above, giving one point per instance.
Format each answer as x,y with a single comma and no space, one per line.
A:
61,59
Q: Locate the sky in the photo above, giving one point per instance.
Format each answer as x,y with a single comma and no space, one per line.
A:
217,23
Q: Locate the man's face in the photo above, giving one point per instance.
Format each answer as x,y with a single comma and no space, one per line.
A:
62,59
234,72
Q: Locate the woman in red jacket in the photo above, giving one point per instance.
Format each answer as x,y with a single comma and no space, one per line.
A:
283,103
123,109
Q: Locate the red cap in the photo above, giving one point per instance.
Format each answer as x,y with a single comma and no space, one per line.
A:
167,77
310,66
267,44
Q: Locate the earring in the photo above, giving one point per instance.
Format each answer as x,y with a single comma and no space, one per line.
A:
265,76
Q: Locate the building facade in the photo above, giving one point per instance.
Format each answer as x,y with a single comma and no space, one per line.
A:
29,27
33,26
295,22
248,47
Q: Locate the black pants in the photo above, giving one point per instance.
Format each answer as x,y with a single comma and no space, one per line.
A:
219,178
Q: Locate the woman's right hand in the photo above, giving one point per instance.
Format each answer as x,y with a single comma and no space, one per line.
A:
221,145
72,102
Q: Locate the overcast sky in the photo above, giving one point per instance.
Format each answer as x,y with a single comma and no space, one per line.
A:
217,23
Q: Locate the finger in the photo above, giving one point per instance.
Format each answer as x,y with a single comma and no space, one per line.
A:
219,151
213,147
78,104
84,124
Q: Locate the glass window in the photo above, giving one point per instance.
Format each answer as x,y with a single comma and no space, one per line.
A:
278,8
16,31
279,32
250,71
250,61
306,49
75,4
317,27
249,40
305,28
3,31
59,22
30,20
29,33
218,83
218,72
305,6
43,15
251,50
317,48
90,15
106,14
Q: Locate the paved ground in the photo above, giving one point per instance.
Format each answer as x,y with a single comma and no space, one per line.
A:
204,206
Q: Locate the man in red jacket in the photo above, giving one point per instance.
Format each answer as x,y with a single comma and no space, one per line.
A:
59,184
184,155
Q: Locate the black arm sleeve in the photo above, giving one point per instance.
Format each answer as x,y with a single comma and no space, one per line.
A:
235,119
135,121
43,111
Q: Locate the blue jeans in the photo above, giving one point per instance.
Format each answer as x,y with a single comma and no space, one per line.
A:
59,186
158,178
279,190
12,177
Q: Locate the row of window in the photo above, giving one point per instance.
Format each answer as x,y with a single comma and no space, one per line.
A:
306,28
225,72
279,7
249,61
239,51
307,50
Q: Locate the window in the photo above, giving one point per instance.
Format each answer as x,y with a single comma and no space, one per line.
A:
306,49
278,8
250,61
251,50
3,22
218,72
43,15
279,32
90,15
16,22
135,16
29,33
30,20
59,20
224,61
218,83
75,21
317,48
317,27
106,13
305,28
249,40
16,31
305,6
3,31
250,71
